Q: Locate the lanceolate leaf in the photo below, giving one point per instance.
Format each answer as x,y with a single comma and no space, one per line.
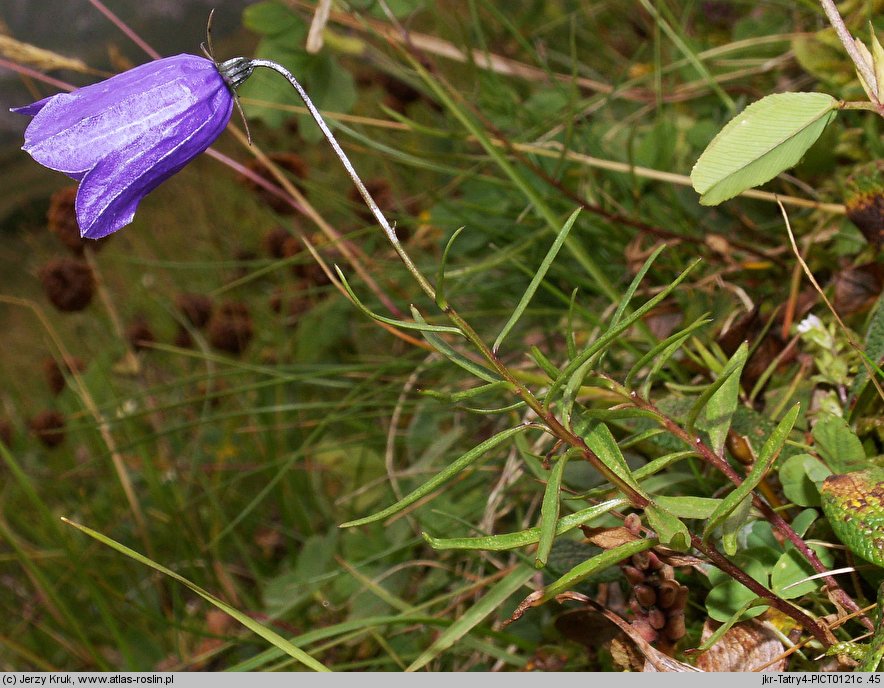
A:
523,538
458,465
549,511
274,638
766,138
600,440
720,400
768,454
671,531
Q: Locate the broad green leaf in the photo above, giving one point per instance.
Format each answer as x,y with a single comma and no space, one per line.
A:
766,457
792,567
854,505
549,511
728,596
801,476
838,444
802,523
458,465
472,617
721,400
270,18
671,531
268,635
769,136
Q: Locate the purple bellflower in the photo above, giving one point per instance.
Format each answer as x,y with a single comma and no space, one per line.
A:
122,137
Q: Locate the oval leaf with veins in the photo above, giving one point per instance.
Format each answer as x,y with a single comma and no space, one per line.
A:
769,136
854,505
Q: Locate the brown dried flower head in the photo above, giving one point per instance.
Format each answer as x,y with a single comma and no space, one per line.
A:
48,427
68,283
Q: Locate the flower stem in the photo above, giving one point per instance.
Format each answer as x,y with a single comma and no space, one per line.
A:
345,161
863,67
554,424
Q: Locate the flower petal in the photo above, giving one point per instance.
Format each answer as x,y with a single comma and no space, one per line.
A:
72,132
31,109
110,192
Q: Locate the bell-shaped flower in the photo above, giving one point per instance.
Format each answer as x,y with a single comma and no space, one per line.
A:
122,137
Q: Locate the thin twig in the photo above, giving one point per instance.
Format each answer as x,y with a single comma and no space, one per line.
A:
122,26
847,40
850,340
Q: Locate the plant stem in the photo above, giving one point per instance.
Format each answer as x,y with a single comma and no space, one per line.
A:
863,67
776,521
348,166
816,629
553,423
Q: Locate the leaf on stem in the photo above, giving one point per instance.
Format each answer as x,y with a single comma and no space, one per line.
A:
769,136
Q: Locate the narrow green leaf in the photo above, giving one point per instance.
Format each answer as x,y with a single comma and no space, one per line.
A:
465,394
769,136
719,401
662,348
549,511
543,362
736,616
600,440
877,62
472,617
597,563
838,444
441,300
670,529
634,285
612,334
602,282
688,507
458,465
731,526
403,324
268,635
496,410
448,351
523,538
570,342
536,280
766,457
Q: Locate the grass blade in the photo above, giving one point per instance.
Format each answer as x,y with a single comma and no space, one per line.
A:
536,280
458,465
495,597
270,636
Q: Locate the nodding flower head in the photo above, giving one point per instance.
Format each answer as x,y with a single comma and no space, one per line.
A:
122,137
